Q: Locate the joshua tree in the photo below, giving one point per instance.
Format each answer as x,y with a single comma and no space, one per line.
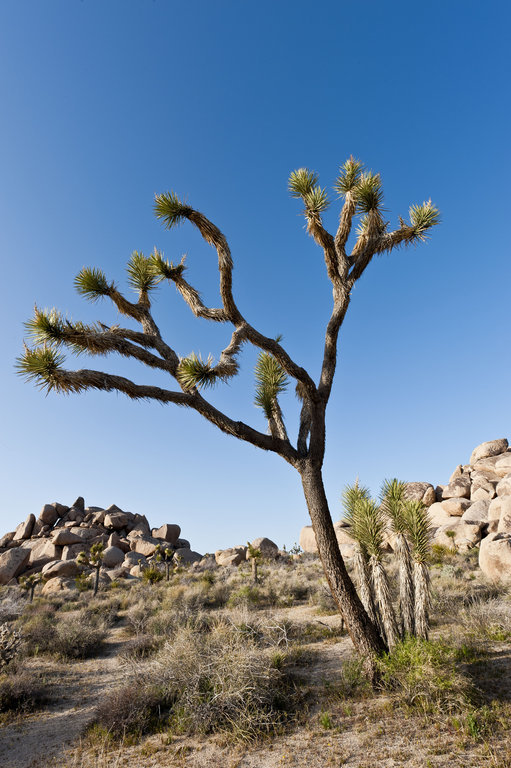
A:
165,555
94,559
362,195
392,502
30,583
419,529
254,555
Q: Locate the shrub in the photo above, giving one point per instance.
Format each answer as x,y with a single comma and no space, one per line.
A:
152,575
38,630
22,692
75,639
131,710
10,645
141,647
11,604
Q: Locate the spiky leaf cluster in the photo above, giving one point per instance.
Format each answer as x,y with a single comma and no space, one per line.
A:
351,496
46,326
418,527
392,503
365,518
194,372
171,209
142,275
422,218
165,269
302,182
316,201
92,283
271,380
369,192
41,366
349,176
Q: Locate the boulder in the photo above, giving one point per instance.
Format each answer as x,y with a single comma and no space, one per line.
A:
61,568
168,532
134,558
42,551
79,505
230,556
112,556
58,584
24,530
72,551
188,555
117,520
308,539
503,464
141,526
495,556
268,548
438,515
85,534
12,563
504,524
494,510
114,540
63,537
144,545
488,449
466,535
137,571
483,493
486,465
49,515
504,486
6,539
455,506
346,543
476,513
458,489
182,544
98,517
424,492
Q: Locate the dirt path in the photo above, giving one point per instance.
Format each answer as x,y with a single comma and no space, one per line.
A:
35,740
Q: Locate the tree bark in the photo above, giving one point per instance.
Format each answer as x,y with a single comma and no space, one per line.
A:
362,631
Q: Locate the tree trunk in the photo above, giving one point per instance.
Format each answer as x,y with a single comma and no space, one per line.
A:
96,581
254,570
362,631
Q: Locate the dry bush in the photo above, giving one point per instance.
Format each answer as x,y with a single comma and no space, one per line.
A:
22,692
75,639
38,629
10,645
140,647
132,709
487,619
12,603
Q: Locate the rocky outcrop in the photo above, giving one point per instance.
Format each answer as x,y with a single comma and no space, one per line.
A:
52,542
472,510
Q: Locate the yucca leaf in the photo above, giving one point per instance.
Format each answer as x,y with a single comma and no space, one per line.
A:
349,175
40,365
369,192
142,274
165,269
171,209
418,527
316,201
92,283
46,326
193,372
392,503
271,380
302,182
422,218
351,495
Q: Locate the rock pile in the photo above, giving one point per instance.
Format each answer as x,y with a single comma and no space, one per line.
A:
472,510
51,543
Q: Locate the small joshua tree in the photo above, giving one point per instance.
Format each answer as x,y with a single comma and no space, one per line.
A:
254,555
418,527
392,503
362,196
29,583
94,559
165,555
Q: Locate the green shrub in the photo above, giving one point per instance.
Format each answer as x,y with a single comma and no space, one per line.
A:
75,639
22,692
152,575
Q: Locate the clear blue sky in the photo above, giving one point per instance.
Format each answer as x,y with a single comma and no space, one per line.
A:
104,104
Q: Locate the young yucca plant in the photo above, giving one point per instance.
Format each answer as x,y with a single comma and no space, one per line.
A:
418,527
165,555
351,496
370,526
94,559
392,504
29,583
254,555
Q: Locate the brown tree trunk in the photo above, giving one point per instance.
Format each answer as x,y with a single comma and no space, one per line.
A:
363,633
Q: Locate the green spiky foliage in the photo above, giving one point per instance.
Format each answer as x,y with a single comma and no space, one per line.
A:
93,559
165,268
142,275
302,182
165,555
271,380
254,554
194,372
171,209
419,531
92,283
29,583
422,218
392,497
349,176
352,495
46,326
316,201
41,366
369,192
